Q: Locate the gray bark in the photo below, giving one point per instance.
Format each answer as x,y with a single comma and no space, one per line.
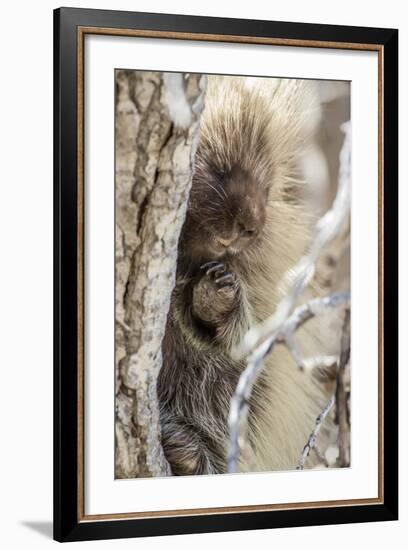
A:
157,125
343,396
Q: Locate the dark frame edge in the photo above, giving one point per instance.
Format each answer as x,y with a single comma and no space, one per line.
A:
225,25
56,305
130,528
65,283
390,279
66,524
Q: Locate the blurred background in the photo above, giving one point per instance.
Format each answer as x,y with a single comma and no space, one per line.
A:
320,167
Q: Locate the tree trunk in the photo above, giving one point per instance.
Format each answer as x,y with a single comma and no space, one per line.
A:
157,125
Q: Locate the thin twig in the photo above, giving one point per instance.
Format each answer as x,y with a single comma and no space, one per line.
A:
311,442
286,333
320,455
239,402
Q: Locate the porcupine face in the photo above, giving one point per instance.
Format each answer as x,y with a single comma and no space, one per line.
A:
226,213
232,173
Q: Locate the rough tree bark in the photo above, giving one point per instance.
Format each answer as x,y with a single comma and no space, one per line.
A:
157,125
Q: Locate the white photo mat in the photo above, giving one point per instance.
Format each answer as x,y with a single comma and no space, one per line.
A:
104,494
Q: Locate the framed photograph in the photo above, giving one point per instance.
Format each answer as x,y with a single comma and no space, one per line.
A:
225,246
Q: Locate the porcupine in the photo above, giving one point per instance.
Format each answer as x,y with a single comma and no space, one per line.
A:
245,228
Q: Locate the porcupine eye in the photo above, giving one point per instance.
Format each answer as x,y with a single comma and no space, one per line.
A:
245,232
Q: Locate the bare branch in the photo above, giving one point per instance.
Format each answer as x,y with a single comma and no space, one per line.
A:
280,327
342,408
311,442
320,455
299,317
326,230
239,403
342,401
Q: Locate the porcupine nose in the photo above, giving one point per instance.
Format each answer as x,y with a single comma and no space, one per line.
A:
225,241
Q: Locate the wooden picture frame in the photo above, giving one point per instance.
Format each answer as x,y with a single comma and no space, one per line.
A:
70,27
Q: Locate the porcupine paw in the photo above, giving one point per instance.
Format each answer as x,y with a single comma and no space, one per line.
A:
216,293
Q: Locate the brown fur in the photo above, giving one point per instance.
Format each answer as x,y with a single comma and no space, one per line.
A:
245,217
